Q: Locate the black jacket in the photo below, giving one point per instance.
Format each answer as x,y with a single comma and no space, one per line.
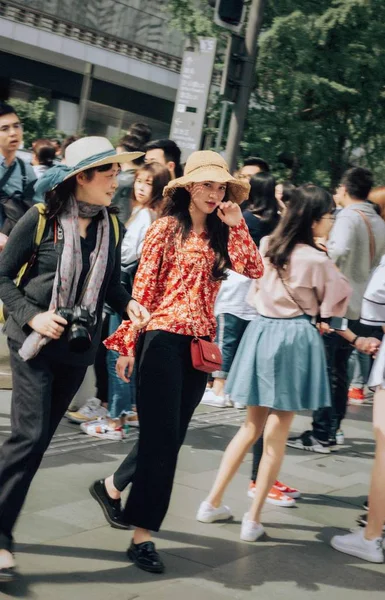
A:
35,292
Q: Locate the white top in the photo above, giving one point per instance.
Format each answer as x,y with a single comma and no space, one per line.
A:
136,229
231,298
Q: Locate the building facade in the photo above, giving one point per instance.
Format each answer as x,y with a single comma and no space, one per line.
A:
101,63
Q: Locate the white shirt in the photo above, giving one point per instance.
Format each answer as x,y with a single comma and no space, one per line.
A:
137,226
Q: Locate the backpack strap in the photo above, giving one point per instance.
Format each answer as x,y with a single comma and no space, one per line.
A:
115,224
7,175
37,241
23,170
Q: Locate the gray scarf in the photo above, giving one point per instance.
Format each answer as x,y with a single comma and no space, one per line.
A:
70,267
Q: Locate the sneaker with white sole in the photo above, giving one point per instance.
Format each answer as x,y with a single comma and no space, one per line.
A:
287,490
211,399
102,429
340,437
209,514
307,441
357,545
91,410
250,530
240,406
275,497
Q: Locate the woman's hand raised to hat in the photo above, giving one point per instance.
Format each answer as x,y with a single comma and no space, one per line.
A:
139,316
230,213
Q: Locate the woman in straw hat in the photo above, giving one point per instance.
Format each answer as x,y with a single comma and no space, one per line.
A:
184,259
76,267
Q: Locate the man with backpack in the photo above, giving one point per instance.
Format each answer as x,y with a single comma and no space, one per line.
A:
16,177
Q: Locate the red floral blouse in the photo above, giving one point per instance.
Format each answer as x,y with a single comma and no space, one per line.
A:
158,285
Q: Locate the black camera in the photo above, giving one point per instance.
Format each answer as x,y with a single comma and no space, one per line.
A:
78,330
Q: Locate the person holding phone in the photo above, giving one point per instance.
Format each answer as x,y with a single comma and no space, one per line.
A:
185,257
280,367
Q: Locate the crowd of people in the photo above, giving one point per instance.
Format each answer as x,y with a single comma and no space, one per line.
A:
120,260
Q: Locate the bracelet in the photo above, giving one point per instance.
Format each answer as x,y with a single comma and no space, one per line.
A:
353,342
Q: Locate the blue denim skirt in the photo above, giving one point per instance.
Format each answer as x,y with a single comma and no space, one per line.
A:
280,364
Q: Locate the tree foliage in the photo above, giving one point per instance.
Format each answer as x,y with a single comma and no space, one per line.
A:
38,121
318,102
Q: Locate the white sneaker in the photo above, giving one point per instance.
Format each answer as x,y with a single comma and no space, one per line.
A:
357,545
211,399
250,530
240,406
340,437
228,401
209,514
91,410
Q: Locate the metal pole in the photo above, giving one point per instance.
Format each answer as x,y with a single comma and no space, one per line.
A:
238,116
222,123
85,95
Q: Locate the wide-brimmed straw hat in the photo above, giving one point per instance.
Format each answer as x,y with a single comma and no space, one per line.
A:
86,153
206,165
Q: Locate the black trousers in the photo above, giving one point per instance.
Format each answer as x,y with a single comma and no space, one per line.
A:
42,392
100,365
257,456
326,421
169,390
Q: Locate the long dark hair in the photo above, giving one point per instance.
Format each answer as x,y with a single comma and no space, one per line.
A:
160,178
177,206
262,200
309,203
57,200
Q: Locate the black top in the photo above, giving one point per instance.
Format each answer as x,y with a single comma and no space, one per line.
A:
35,292
258,228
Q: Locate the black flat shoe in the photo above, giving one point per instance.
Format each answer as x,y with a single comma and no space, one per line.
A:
145,557
7,574
111,508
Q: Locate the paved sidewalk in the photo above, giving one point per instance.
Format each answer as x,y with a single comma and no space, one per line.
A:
65,550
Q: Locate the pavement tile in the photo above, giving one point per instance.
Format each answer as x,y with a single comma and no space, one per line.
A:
39,528
294,570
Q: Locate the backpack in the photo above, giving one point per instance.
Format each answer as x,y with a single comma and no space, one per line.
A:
40,228
15,206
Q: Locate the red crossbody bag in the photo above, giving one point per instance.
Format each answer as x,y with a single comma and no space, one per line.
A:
205,356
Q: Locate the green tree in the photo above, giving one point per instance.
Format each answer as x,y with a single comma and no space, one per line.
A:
38,121
318,103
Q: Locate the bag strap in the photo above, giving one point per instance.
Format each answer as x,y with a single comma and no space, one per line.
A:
23,170
372,241
115,224
7,175
39,232
289,292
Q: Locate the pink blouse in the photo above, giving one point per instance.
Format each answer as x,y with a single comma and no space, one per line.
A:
314,285
160,285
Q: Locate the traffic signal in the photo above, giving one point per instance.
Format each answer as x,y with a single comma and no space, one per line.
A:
233,68
229,13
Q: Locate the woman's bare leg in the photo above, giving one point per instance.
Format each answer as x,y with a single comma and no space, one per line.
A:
274,444
376,516
237,450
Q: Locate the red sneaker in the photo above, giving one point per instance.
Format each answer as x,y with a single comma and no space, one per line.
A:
285,489
356,395
275,496
278,499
